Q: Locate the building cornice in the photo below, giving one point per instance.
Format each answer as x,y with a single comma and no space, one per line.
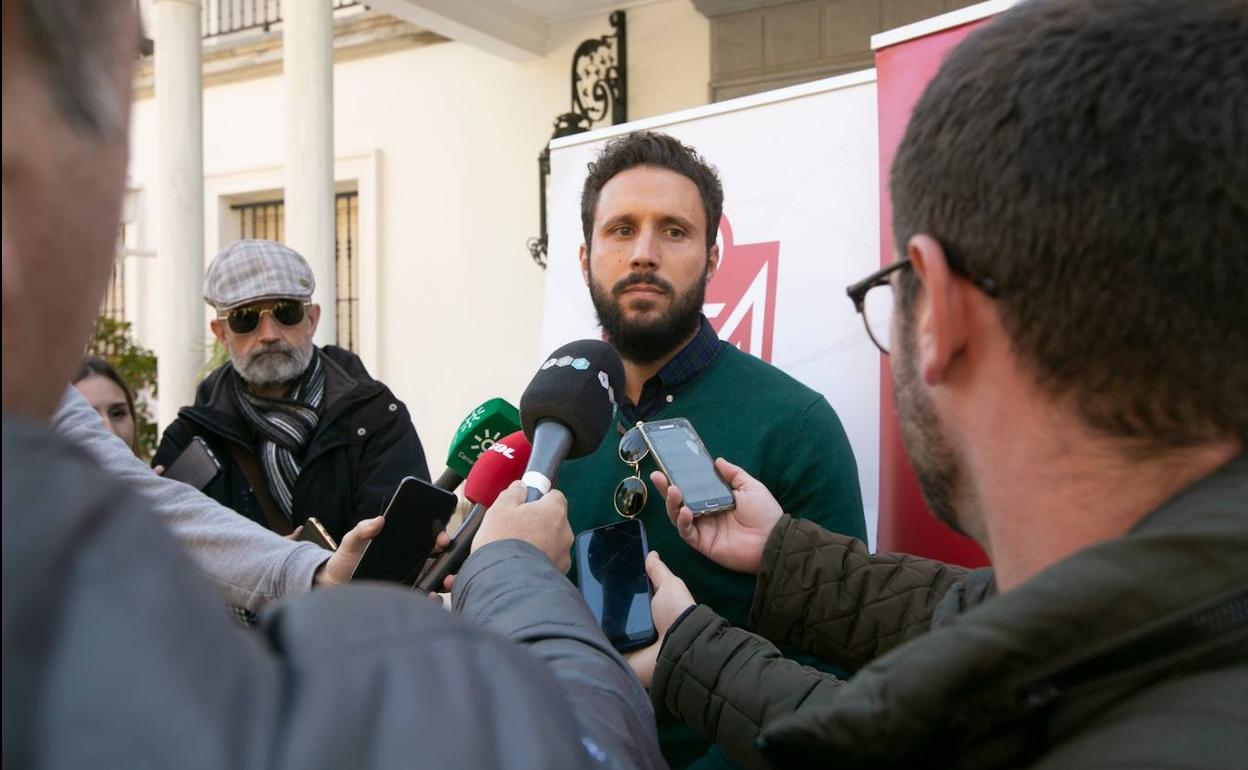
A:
712,8
258,53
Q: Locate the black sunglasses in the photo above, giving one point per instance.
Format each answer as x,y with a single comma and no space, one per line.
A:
631,493
245,320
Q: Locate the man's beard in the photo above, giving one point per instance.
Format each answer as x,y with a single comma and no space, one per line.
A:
935,463
272,365
644,342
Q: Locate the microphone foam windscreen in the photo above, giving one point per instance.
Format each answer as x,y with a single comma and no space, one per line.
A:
485,424
576,386
500,464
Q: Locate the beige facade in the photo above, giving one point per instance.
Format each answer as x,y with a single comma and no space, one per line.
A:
439,111
440,140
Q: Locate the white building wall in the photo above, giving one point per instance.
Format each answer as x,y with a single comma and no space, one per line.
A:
446,138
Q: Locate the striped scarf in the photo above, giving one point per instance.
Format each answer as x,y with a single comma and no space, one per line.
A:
284,427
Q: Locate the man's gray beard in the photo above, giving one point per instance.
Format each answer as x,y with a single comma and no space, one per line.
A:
276,364
935,464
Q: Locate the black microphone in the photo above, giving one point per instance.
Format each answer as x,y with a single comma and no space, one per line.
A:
568,408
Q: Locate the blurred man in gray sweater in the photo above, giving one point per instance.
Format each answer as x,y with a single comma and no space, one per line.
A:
116,653
249,564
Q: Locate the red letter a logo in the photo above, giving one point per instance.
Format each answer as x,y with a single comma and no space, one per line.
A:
741,298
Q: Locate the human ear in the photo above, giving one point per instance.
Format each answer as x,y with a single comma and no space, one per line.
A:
940,320
712,263
218,329
314,316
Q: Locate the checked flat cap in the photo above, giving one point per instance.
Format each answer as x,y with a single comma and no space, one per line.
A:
251,270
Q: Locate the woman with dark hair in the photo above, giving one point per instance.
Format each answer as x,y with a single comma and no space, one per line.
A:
109,395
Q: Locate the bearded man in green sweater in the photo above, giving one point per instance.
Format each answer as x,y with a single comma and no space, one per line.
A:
650,210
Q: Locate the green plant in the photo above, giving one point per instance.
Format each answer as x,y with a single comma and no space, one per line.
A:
113,341
217,357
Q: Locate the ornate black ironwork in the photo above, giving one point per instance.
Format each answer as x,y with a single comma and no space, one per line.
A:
221,17
599,90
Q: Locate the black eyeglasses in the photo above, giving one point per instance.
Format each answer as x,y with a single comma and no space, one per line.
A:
876,307
631,493
245,320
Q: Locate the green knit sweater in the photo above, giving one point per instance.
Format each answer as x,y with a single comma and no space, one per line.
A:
756,416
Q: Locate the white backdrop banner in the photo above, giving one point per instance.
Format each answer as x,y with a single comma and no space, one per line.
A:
800,171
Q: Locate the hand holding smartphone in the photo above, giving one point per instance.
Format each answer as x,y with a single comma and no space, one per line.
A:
611,574
449,561
684,459
415,515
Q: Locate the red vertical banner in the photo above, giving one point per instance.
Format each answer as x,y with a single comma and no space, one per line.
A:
906,525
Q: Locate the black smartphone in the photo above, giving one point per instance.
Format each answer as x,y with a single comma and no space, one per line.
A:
683,458
314,532
449,561
197,465
415,515
611,573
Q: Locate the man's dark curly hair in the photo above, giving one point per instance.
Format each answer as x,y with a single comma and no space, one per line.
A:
645,148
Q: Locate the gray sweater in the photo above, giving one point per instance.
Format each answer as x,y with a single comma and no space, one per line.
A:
249,564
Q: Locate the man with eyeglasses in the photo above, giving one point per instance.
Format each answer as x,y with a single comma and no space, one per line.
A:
1067,330
300,431
650,211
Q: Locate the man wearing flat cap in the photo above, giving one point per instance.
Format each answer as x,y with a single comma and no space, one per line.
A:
299,430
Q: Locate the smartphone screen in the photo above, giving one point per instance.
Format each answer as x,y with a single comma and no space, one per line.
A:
197,465
415,515
681,455
611,573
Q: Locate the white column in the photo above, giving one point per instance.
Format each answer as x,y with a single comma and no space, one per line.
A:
308,67
180,327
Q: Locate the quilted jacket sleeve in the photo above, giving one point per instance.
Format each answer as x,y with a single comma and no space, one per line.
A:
826,595
726,683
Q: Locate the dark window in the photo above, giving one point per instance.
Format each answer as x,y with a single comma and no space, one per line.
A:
347,249
267,220
114,305
221,17
262,220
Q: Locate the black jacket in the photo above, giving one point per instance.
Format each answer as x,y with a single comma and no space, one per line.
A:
362,448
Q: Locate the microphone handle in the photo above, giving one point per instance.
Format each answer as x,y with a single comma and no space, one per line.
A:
449,480
449,561
552,440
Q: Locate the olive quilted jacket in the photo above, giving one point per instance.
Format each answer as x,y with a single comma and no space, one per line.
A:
1130,654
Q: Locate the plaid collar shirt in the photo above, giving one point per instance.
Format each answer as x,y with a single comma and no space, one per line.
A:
661,389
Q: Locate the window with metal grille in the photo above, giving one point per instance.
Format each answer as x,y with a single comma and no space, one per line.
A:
346,251
114,304
267,220
221,17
